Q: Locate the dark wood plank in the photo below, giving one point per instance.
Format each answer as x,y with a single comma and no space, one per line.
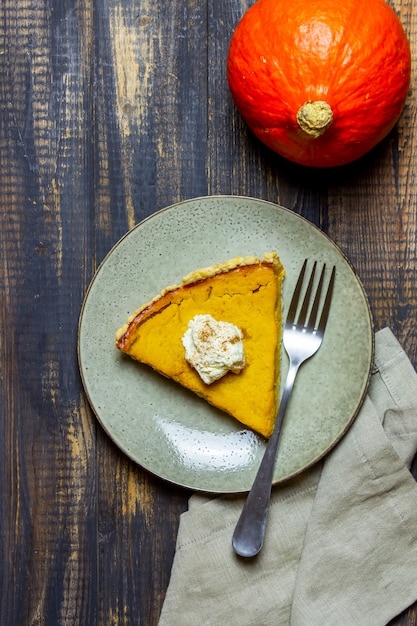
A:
47,512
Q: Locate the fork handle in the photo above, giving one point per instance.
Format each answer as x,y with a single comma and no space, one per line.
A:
249,533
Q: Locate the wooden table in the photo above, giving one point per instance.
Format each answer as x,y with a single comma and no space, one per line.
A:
111,110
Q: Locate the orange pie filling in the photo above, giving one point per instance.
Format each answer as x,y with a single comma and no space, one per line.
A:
244,293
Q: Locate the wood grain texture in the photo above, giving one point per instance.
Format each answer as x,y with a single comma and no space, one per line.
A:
48,436
109,111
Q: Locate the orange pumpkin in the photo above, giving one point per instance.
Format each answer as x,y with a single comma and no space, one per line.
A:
321,82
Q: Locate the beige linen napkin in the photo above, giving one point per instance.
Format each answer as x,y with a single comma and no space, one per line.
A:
341,544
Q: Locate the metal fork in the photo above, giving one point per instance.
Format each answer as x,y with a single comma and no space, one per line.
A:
302,338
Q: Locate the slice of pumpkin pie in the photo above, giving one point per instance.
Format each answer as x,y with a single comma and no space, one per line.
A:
219,335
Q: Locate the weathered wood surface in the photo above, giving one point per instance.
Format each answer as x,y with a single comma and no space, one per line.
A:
109,111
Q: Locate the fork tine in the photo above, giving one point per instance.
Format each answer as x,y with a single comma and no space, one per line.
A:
307,297
315,308
326,307
296,295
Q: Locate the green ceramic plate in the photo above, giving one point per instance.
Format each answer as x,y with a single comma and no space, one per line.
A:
168,430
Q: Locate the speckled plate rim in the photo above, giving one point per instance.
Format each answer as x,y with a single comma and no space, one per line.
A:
167,430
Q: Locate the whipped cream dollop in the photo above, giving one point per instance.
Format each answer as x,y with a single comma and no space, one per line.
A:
213,347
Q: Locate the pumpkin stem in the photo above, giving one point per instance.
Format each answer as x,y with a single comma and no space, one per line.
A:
314,118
